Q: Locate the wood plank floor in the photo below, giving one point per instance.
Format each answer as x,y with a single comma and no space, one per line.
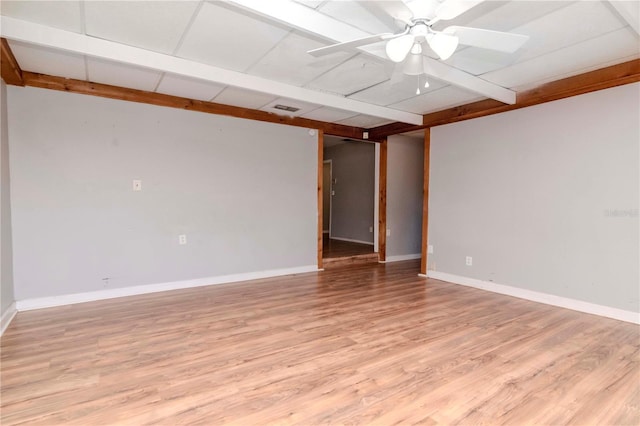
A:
366,345
336,248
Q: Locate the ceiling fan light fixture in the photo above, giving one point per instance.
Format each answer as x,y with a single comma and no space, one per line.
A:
398,48
443,44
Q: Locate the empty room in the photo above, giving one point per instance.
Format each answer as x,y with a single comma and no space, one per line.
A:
320,212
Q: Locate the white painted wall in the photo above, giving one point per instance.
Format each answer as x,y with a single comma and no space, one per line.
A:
405,158
6,265
543,198
352,211
243,192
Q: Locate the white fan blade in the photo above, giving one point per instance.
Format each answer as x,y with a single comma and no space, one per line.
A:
339,47
453,8
488,39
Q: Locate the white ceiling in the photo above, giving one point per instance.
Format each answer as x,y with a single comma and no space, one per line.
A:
255,55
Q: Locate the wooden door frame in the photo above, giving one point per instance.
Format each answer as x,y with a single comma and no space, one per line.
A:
381,174
382,202
330,163
424,261
320,167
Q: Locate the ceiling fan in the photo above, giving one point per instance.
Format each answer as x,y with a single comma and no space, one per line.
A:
418,17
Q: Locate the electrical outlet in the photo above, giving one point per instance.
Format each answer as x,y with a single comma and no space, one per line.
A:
182,239
430,249
469,261
137,185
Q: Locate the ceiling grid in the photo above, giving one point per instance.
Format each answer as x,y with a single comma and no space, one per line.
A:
253,54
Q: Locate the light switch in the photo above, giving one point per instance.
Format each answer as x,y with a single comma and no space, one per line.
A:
137,185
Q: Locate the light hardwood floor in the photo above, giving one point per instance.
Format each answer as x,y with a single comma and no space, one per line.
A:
366,345
336,248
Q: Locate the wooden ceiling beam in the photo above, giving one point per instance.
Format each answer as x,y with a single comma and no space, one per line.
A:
114,92
604,78
9,68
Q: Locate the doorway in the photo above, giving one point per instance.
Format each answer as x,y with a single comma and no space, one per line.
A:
350,200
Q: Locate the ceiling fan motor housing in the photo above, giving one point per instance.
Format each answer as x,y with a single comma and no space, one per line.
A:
419,29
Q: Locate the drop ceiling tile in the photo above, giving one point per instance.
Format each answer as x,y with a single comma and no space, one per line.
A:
357,14
618,44
107,72
443,98
225,38
48,61
563,27
352,76
329,115
533,18
64,15
503,15
479,11
289,63
188,87
243,98
387,93
313,4
152,25
365,121
303,107
627,11
534,84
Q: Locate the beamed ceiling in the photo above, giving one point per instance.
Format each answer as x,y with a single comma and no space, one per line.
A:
245,57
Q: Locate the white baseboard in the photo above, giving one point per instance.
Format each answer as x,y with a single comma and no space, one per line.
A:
402,257
69,299
350,240
546,298
7,317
